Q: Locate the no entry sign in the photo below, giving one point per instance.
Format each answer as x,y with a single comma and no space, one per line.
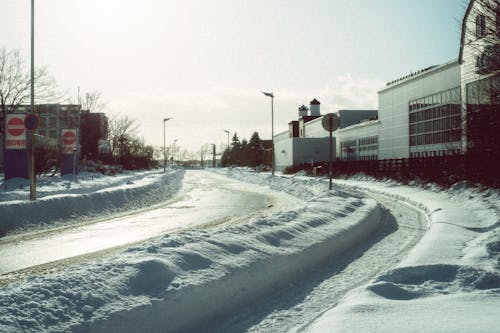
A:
69,139
15,137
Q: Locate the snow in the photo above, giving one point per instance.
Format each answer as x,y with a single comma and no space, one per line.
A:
191,280
61,200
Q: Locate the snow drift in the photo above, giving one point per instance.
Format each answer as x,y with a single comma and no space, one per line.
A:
92,198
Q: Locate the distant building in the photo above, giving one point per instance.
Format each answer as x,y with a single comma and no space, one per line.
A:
92,127
296,146
94,130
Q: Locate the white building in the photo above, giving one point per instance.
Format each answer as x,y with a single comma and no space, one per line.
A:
440,110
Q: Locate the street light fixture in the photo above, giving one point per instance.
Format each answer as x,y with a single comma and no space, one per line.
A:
270,94
164,149
227,138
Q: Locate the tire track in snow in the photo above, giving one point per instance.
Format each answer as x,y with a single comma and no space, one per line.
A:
289,310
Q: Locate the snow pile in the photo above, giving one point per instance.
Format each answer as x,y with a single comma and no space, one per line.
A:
61,201
186,280
301,187
450,282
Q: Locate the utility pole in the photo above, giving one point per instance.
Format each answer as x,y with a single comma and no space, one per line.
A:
32,133
213,155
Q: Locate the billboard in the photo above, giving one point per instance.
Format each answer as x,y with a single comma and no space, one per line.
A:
15,131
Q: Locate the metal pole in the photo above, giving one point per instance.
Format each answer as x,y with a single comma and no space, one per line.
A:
272,130
331,157
164,150
213,155
173,154
32,133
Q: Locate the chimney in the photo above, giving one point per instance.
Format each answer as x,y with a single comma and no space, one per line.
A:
314,107
303,111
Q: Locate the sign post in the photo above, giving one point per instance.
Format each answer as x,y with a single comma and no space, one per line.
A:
69,150
330,123
31,123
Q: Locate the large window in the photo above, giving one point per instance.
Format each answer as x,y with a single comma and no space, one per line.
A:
480,25
348,149
436,119
368,148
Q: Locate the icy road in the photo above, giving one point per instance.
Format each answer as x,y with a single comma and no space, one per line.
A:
204,199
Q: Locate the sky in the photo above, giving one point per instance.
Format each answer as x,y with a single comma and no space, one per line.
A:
205,63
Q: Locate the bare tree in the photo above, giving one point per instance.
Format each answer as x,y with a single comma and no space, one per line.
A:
92,102
15,84
121,127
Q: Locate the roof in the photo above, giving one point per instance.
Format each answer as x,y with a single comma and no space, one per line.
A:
462,36
315,102
418,74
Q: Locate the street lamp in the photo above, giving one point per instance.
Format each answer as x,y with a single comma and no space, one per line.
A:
32,174
272,128
173,152
227,138
164,149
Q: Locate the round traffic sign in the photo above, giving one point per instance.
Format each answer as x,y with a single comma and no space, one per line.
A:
330,122
15,126
68,137
31,122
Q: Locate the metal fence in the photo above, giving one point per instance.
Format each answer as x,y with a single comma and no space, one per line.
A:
443,170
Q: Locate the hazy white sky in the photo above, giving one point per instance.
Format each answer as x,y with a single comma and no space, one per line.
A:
205,62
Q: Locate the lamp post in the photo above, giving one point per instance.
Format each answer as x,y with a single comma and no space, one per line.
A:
32,133
272,128
164,149
227,138
213,155
173,152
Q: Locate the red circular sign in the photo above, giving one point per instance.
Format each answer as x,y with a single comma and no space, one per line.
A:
15,126
68,138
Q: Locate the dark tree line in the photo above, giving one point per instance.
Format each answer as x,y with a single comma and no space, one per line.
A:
245,153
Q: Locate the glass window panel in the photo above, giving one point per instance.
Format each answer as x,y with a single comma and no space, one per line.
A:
445,112
437,137
420,140
420,115
428,114
428,139
428,126
438,124
436,113
413,117
446,136
420,127
412,129
446,123
456,135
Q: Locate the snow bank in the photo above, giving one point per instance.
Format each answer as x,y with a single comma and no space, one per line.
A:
450,281
62,201
186,280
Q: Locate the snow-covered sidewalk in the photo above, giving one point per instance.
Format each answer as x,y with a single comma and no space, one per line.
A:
450,282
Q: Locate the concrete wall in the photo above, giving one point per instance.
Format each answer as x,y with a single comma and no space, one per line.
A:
294,151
